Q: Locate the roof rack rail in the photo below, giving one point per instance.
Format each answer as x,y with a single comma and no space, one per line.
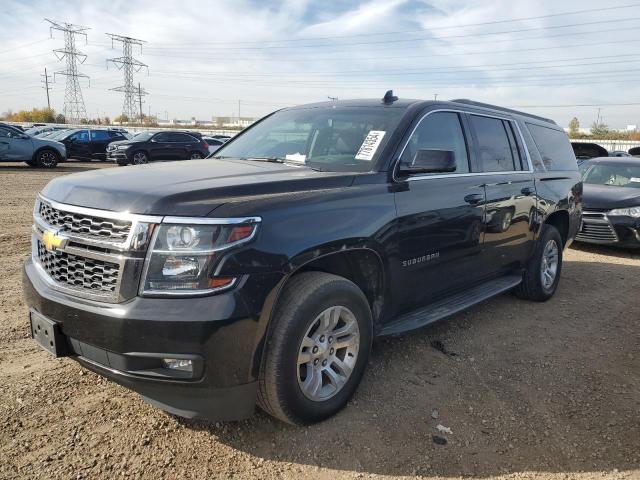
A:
504,109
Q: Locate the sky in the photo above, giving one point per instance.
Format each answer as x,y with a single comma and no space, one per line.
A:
212,58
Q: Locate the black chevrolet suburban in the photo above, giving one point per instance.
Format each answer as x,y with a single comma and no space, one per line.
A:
261,276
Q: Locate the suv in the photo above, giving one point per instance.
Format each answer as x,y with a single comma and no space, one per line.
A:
89,144
18,146
149,146
263,274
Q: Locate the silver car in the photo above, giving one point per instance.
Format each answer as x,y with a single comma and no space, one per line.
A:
18,146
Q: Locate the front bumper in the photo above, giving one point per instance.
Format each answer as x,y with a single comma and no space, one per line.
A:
220,330
600,229
118,156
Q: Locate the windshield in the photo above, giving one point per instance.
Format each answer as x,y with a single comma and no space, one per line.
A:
336,139
613,175
143,136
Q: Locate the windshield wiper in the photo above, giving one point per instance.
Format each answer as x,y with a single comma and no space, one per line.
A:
265,159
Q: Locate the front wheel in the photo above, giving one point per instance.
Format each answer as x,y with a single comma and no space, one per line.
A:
540,279
46,158
317,348
140,158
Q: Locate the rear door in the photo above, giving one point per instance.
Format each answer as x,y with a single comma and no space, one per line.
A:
439,227
509,190
183,145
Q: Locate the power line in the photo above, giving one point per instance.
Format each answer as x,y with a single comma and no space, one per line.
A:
128,65
432,38
74,109
495,22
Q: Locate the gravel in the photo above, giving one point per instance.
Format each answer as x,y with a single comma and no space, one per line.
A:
540,391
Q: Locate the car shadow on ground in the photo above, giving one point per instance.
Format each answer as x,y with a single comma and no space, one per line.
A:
61,168
523,386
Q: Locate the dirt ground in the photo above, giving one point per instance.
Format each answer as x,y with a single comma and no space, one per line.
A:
528,390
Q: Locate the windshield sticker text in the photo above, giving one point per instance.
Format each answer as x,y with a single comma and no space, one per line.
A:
370,145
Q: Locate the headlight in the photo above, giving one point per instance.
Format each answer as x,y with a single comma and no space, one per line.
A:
183,257
626,212
122,147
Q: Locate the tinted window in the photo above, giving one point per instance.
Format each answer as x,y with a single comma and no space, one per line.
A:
439,131
81,136
116,135
181,137
161,137
97,135
496,153
554,147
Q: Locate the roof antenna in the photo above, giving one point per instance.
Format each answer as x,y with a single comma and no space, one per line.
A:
389,97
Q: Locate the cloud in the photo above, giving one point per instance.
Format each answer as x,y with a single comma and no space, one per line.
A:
205,56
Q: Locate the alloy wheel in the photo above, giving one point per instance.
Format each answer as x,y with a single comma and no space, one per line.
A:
327,353
549,268
47,159
139,158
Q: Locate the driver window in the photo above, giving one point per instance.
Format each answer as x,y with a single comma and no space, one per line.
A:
439,131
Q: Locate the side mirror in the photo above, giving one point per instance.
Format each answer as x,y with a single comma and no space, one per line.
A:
431,161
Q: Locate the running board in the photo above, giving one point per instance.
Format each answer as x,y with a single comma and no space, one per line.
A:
454,304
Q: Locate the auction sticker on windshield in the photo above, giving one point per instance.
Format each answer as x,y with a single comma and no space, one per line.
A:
370,145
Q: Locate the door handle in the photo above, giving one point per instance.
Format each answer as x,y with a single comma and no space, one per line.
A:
474,198
528,191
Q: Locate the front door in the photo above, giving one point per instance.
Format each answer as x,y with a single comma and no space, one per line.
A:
99,141
14,145
440,218
160,147
510,193
78,145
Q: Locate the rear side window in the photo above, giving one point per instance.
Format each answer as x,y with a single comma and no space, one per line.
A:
439,131
81,136
496,144
554,147
182,138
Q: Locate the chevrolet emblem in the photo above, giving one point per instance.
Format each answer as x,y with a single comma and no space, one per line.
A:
52,241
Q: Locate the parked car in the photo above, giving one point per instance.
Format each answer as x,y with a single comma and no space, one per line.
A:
214,143
619,153
263,276
611,213
89,144
38,130
150,146
634,152
586,150
18,146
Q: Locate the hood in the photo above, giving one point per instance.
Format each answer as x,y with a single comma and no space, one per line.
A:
604,197
41,142
185,188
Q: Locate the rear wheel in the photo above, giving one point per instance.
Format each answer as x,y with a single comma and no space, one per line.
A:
195,155
46,158
317,348
140,158
540,279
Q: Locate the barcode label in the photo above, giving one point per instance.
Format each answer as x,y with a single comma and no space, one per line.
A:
370,145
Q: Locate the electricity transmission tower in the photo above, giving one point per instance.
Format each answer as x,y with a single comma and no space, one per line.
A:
46,78
74,109
129,66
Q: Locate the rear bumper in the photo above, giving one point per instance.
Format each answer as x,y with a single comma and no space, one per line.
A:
116,341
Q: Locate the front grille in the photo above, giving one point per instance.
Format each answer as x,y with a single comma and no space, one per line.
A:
84,225
77,272
596,228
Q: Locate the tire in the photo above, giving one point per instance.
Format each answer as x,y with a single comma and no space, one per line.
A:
284,390
195,156
533,287
139,158
47,158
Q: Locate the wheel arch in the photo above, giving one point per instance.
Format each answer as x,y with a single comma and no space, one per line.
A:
560,220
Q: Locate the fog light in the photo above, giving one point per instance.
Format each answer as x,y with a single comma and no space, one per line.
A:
181,364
